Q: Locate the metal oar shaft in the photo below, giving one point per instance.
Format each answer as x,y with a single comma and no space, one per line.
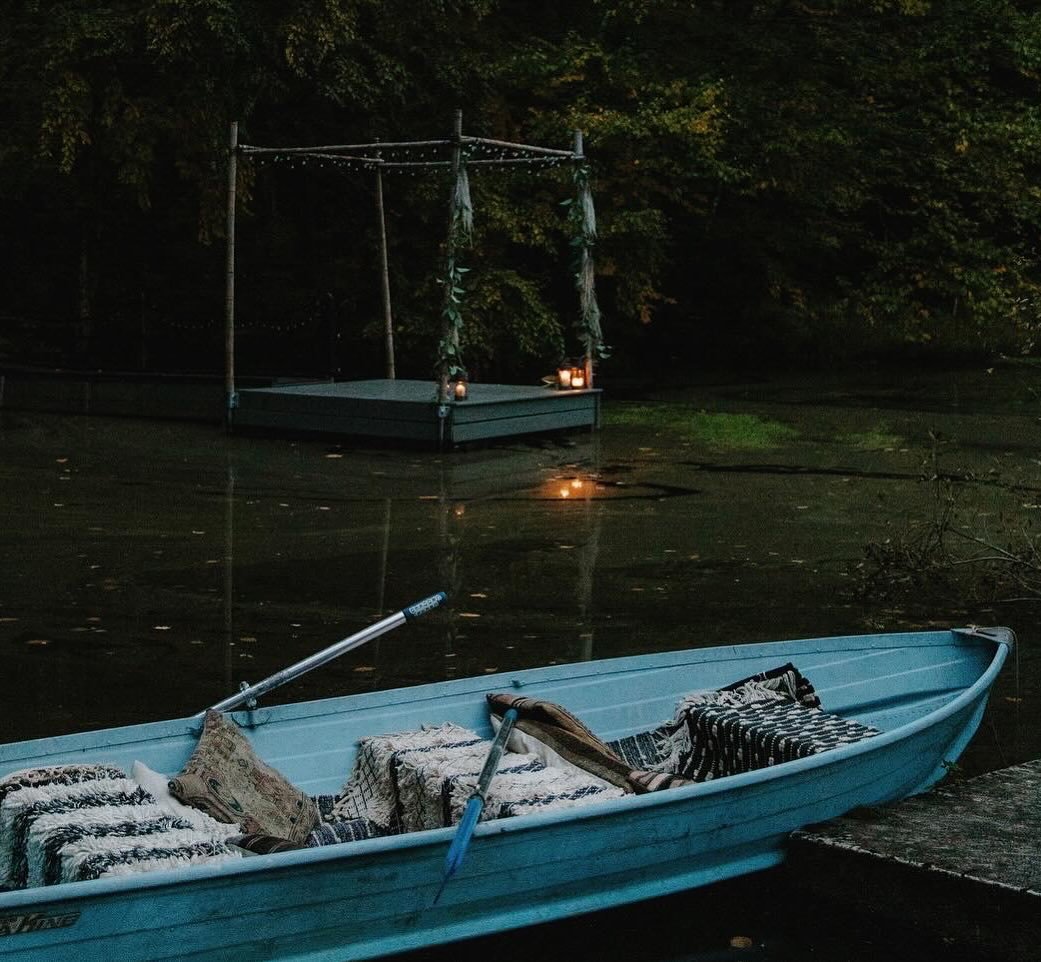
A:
328,654
491,763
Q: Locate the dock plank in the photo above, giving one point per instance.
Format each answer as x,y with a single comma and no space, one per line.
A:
963,861
408,409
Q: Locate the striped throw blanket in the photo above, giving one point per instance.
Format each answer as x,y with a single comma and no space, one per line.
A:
78,822
415,780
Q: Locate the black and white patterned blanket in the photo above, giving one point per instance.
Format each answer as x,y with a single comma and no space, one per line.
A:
409,781
78,822
769,718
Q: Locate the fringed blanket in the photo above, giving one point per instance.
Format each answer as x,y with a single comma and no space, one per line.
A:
409,781
72,823
771,717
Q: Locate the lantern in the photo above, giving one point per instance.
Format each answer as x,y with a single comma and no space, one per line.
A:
578,378
460,390
564,376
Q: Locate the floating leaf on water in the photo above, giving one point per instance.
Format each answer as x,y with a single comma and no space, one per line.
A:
741,942
198,532
565,547
160,627
365,668
490,671
61,460
7,621
324,507
636,589
245,654
282,504
58,504
332,456
1012,700
212,561
478,594
469,614
248,638
428,497
195,641
38,641
802,507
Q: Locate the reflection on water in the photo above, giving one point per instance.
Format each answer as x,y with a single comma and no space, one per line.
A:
149,568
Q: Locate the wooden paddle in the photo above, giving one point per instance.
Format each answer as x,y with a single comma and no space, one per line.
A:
474,807
249,693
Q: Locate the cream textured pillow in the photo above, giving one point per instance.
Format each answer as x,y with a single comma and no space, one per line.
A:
158,786
226,779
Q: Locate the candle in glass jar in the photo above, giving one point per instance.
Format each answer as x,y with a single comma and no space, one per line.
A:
564,377
460,390
578,379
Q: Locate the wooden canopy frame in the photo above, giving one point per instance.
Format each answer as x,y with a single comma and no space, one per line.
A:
415,157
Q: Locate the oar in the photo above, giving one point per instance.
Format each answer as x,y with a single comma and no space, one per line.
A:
474,807
319,658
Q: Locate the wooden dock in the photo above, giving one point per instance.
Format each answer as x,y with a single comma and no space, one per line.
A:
404,410
963,862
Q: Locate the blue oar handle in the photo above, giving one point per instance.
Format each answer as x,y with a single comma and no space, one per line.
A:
422,607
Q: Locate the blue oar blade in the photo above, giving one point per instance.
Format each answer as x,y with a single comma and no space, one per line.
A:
467,824
474,807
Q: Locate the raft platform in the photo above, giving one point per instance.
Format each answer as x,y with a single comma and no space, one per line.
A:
404,410
962,862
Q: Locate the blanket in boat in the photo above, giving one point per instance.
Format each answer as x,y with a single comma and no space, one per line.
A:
72,823
414,780
769,718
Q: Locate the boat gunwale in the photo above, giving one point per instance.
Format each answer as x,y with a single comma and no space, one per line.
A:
146,732
687,794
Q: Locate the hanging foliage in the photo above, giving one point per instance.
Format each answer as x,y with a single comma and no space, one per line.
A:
583,221
460,231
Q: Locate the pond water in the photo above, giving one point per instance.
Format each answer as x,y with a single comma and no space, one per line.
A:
149,567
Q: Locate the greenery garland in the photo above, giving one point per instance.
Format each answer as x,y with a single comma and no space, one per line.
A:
460,231
583,239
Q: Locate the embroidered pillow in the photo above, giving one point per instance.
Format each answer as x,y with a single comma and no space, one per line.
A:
225,778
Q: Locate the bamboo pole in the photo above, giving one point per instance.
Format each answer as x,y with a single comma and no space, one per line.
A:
230,398
506,145
388,318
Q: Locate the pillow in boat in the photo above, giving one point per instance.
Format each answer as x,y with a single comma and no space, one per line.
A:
72,823
559,739
225,778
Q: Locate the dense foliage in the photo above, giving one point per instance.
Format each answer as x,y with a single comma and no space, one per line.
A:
772,178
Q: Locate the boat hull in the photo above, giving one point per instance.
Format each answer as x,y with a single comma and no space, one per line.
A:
375,897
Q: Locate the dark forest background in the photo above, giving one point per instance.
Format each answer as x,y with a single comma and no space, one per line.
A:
775,181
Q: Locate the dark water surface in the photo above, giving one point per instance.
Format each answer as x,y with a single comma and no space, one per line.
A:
148,567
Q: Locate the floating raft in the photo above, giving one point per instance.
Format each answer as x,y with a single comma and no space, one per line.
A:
963,862
405,410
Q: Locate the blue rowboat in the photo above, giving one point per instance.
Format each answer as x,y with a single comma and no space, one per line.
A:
925,691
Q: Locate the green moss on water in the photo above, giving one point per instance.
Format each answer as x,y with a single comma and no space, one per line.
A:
719,431
877,439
